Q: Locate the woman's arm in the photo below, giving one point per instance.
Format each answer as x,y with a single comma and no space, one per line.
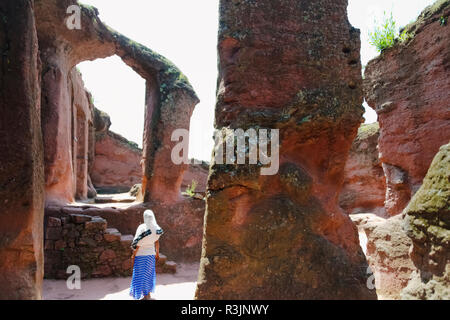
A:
157,250
134,254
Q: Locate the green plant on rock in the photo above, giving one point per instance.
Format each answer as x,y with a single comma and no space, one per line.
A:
190,191
405,36
443,20
384,34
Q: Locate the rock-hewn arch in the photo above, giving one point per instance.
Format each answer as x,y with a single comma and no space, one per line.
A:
40,33
170,99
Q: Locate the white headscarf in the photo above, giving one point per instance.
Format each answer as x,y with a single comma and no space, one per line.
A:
150,221
148,225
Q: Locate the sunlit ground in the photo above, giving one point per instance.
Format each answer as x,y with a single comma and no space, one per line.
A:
179,286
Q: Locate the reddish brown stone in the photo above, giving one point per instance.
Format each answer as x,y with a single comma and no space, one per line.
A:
60,244
107,255
53,222
293,66
364,185
387,253
21,155
96,223
162,260
427,224
49,245
127,265
67,130
184,219
184,225
80,218
53,233
409,88
198,173
126,240
170,267
102,271
117,162
112,235
170,101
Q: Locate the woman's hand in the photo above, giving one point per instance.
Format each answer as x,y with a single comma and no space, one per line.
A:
157,250
133,256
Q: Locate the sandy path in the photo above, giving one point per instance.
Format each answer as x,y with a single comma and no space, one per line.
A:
179,286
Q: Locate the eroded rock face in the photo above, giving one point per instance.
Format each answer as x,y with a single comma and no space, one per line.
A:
82,124
85,241
409,88
21,155
427,223
170,99
199,174
387,253
67,121
117,162
285,65
182,222
364,185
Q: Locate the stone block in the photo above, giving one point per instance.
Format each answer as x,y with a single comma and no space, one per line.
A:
53,233
80,218
53,222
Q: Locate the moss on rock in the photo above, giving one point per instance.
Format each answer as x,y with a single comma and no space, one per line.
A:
427,223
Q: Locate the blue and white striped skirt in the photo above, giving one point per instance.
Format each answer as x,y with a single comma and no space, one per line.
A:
144,277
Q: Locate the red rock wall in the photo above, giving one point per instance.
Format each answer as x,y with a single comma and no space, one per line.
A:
409,88
427,224
85,242
82,124
21,155
67,118
182,222
293,66
162,178
199,173
387,253
80,240
170,100
364,184
117,163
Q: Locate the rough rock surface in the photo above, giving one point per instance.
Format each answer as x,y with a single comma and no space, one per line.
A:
182,222
294,66
198,173
364,185
387,253
427,223
170,99
66,127
21,154
87,242
82,125
117,162
409,88
38,82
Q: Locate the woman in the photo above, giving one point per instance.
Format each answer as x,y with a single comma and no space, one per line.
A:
145,255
